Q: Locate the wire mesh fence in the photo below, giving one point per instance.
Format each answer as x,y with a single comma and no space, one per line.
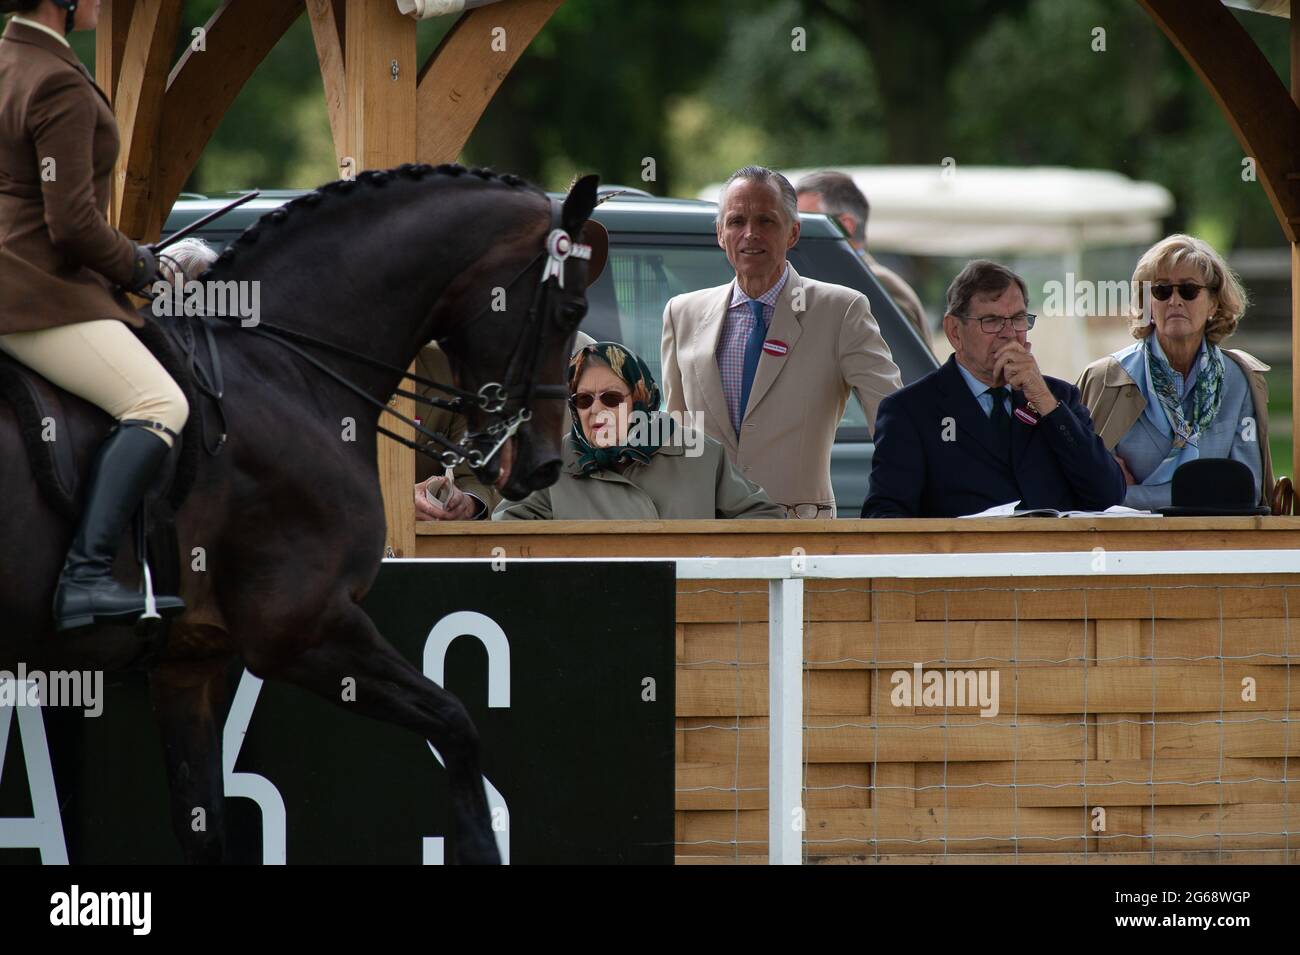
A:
1063,719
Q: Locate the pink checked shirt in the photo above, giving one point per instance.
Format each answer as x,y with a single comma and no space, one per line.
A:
731,343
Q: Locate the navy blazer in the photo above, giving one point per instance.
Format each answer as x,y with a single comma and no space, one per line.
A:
1058,462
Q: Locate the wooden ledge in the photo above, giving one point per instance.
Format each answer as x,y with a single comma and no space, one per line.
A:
769,538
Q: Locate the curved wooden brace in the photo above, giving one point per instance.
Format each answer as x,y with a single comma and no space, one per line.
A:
329,30
203,84
110,43
1253,98
463,74
142,82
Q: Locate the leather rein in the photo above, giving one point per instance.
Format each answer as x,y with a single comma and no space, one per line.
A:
491,398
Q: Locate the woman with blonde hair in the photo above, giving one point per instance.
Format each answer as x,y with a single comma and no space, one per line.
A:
1176,395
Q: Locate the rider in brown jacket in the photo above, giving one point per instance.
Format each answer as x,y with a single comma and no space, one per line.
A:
61,313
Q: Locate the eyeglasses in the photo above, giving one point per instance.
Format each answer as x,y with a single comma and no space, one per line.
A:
610,399
992,324
1163,291
805,512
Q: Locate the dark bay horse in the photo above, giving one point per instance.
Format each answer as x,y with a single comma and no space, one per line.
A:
290,515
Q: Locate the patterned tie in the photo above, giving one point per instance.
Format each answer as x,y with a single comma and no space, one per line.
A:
1001,421
753,350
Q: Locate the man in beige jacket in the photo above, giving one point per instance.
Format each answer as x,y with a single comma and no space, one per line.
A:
767,360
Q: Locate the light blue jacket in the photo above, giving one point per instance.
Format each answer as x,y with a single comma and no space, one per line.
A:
1117,404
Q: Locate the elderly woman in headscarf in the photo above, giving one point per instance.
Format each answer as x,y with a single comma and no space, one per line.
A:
624,460
1176,395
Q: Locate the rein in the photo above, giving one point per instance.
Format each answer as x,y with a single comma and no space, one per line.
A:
491,398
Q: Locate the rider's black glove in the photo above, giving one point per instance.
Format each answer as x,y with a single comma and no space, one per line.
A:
144,273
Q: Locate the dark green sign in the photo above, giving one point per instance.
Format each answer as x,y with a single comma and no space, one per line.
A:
567,670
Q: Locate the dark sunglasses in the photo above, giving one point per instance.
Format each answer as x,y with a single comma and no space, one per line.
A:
1163,291
610,399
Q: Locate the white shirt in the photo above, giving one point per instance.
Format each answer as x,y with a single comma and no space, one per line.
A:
42,27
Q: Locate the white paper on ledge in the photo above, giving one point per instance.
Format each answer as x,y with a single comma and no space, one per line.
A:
1115,510
999,510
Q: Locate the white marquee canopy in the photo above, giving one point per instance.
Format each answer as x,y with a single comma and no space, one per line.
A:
968,210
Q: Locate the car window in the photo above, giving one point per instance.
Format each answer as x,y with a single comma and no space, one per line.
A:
854,416
627,302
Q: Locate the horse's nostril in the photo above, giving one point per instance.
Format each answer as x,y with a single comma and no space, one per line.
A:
544,476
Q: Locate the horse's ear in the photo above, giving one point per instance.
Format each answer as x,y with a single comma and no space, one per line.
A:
579,203
597,236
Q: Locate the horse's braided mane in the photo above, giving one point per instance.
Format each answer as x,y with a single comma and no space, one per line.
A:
371,178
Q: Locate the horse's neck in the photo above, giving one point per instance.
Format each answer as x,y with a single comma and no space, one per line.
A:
376,279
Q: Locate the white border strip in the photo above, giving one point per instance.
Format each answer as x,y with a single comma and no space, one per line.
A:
1093,563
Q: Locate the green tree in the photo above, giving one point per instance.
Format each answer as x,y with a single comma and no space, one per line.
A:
1046,86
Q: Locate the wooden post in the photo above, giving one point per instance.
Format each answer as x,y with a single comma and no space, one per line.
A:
110,44
1294,176
381,73
142,83
1262,114
328,28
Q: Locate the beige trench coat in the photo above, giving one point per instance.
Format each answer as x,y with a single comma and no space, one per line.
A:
1115,403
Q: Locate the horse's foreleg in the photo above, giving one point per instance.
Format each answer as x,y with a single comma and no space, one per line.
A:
189,701
389,688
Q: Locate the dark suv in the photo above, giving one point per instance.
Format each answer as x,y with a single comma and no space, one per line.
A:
659,248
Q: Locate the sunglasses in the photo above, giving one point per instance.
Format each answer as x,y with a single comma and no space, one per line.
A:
1163,291
610,399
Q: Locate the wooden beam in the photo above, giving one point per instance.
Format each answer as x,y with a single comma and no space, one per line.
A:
381,71
327,30
204,84
110,43
141,85
1252,96
1295,360
463,73
1295,256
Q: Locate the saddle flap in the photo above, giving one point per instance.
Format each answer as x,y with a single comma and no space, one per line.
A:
43,424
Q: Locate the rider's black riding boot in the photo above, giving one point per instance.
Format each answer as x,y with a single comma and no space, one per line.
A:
125,467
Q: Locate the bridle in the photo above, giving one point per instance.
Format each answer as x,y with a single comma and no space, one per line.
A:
520,379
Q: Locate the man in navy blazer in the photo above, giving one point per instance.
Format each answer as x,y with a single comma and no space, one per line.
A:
988,427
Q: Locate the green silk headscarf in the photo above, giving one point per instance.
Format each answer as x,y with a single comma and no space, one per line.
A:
645,398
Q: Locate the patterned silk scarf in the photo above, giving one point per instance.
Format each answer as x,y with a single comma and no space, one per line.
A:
645,399
1169,416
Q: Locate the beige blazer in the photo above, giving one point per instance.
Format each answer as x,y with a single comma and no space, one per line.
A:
798,399
1115,403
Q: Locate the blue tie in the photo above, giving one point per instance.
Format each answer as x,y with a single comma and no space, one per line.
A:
753,350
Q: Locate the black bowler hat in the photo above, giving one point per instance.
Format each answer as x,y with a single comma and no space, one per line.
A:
1214,487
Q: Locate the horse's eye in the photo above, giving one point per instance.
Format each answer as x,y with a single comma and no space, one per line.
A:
574,311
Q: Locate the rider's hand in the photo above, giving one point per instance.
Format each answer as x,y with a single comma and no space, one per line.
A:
459,506
144,272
